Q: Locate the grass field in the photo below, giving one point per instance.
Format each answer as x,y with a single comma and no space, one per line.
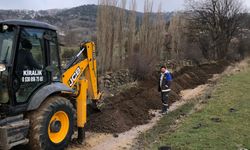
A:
222,124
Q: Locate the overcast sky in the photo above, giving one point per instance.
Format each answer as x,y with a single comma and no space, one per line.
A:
167,5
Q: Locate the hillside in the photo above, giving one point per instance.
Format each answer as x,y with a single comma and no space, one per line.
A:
63,18
80,21
76,23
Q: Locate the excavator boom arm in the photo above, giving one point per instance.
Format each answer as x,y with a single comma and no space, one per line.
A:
82,77
84,69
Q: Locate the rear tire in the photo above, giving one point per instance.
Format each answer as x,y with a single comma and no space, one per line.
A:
52,124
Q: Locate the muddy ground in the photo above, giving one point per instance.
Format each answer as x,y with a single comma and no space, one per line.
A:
130,108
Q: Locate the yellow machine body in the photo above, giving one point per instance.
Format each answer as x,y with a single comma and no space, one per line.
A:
82,77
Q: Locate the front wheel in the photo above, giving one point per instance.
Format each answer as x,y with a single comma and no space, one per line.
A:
52,125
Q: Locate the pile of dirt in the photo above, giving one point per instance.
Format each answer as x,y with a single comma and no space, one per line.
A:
191,77
130,108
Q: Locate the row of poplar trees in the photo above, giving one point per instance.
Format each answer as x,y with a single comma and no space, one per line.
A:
128,39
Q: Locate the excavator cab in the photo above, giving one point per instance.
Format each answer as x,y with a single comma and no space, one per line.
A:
26,49
40,103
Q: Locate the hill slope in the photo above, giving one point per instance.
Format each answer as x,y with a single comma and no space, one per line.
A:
74,23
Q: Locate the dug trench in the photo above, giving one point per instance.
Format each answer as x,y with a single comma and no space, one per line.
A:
131,108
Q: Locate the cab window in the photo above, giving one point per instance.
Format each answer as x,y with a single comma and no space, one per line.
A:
30,64
54,59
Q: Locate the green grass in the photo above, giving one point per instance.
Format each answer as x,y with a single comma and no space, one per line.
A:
151,138
199,131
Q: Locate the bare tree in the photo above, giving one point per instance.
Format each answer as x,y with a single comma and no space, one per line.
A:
214,23
119,25
151,35
123,42
106,20
182,46
131,34
176,30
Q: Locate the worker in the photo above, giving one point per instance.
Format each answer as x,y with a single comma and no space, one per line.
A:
25,58
26,63
165,88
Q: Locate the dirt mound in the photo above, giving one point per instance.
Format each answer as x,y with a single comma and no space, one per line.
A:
126,110
130,108
191,77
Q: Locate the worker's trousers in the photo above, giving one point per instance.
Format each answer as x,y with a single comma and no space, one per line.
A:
164,98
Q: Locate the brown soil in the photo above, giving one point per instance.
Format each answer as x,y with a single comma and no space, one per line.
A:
130,108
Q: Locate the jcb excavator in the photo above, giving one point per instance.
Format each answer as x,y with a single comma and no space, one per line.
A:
41,103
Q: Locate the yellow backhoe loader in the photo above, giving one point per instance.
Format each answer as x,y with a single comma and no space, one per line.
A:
41,103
